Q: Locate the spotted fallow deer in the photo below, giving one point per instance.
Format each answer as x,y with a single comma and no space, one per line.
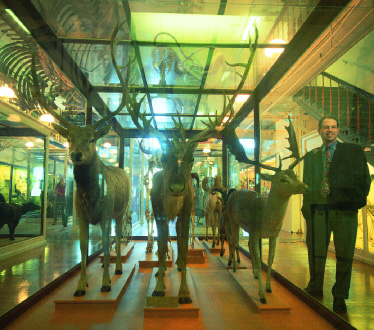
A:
262,217
102,191
172,191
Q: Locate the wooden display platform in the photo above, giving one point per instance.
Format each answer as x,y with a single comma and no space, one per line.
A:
225,261
208,247
196,254
151,259
94,297
168,305
250,285
126,250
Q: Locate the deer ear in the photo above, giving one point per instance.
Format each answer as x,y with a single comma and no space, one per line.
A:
61,130
102,131
267,177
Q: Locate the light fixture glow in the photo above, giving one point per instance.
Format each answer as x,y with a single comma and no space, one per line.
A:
66,144
270,51
241,98
107,145
14,118
47,118
249,29
10,12
6,91
206,150
29,144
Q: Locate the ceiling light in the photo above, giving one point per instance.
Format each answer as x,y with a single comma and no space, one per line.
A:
47,118
6,91
66,144
206,150
107,145
29,144
270,51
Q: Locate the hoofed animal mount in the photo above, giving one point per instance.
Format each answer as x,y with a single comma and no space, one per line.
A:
102,191
262,217
172,191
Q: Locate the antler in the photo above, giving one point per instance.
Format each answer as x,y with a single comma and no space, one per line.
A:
213,125
36,93
293,145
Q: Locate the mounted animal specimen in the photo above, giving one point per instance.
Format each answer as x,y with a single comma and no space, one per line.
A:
102,191
172,192
11,213
213,206
224,230
262,217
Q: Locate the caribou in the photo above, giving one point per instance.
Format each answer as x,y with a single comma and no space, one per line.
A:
260,216
102,191
172,191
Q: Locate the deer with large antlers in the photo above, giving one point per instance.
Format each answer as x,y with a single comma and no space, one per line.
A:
102,191
172,191
262,217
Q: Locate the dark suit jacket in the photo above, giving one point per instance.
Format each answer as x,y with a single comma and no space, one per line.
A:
349,178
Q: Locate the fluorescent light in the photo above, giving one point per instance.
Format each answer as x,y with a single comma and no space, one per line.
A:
249,29
66,144
206,150
107,145
47,118
270,51
17,20
29,144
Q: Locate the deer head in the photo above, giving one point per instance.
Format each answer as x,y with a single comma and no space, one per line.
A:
82,140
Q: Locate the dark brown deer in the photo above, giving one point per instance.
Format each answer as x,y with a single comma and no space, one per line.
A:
262,217
172,191
102,191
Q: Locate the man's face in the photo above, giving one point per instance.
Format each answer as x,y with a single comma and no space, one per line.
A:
329,131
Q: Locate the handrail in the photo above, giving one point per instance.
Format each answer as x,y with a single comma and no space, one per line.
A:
346,84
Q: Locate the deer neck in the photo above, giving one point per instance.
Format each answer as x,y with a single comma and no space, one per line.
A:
276,206
87,176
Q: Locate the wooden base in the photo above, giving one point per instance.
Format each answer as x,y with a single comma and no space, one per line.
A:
126,250
196,254
151,259
250,285
208,247
94,296
225,261
168,305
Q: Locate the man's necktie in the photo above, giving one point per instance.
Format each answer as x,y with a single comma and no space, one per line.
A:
325,188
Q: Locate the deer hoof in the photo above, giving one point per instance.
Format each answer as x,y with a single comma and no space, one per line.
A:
238,261
229,263
79,293
263,300
118,272
221,253
102,265
158,293
268,290
185,300
106,288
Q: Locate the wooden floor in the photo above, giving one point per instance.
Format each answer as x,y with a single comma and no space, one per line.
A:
223,302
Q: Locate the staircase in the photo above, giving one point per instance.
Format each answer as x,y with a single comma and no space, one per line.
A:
353,107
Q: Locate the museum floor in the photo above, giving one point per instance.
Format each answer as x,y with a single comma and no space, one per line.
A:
223,303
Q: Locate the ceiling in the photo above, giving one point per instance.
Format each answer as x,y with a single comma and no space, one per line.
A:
181,51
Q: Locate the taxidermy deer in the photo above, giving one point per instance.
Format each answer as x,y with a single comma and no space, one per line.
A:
102,191
213,206
262,217
172,191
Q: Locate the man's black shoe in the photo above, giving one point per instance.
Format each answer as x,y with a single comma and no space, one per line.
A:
339,305
315,294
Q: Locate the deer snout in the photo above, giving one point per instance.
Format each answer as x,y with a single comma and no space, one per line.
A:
177,185
305,188
76,156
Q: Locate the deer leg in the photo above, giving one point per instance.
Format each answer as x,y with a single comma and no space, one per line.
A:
184,294
250,249
105,228
255,239
118,270
206,226
162,243
234,243
272,245
83,242
214,235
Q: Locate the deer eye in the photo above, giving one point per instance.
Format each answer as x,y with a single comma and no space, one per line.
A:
283,180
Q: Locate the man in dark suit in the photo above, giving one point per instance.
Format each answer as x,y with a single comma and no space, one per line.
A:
339,181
